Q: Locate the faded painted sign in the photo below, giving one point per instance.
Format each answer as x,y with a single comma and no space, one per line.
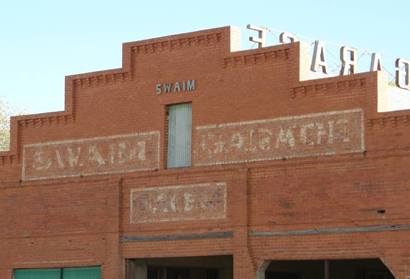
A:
102,155
178,203
316,134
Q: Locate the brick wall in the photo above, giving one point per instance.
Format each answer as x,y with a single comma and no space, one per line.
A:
306,169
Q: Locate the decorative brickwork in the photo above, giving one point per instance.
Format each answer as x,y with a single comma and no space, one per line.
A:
326,87
178,43
392,121
102,79
256,58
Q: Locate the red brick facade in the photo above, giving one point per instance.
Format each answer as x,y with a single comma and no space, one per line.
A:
281,168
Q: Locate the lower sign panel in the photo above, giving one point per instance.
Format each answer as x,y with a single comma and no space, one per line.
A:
178,203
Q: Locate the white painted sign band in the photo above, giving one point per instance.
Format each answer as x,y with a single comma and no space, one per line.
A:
316,134
90,156
178,203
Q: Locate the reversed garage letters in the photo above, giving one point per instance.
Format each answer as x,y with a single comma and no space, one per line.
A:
335,132
178,203
122,153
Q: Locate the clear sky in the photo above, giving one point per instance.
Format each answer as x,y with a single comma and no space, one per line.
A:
43,41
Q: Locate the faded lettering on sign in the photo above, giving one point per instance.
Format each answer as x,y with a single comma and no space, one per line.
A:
178,203
335,132
122,153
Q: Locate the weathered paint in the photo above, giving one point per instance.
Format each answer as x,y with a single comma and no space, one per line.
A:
102,155
178,203
328,133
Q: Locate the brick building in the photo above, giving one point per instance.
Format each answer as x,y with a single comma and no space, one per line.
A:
198,160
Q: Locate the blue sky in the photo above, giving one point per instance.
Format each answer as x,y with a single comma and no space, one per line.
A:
43,41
